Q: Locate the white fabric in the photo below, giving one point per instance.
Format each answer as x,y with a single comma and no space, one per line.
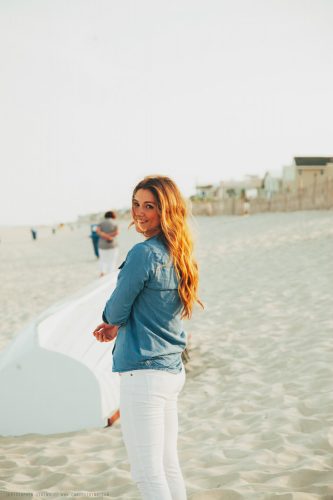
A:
63,366
149,421
108,259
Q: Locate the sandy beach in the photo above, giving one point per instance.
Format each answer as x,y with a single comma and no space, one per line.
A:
256,413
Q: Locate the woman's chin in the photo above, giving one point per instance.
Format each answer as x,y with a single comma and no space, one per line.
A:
139,229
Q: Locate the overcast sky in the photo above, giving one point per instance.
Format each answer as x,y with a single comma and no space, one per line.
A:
96,94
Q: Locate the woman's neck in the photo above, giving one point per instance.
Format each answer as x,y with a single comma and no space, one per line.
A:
152,232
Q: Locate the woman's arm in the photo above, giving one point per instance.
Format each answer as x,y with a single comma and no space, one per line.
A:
131,280
107,236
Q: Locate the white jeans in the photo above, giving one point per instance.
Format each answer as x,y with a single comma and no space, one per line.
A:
108,259
149,422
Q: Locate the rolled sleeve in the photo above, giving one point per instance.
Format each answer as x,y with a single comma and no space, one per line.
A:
131,280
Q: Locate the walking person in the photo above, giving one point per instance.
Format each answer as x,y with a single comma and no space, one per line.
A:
107,231
94,238
156,288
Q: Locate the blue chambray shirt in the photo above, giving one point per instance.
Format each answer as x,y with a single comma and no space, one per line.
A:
146,306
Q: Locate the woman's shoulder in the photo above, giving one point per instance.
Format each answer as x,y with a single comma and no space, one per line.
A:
157,245
148,249
139,250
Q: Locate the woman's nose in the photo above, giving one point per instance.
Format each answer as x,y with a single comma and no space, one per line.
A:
139,211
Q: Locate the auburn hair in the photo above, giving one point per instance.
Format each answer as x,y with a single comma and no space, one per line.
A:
177,236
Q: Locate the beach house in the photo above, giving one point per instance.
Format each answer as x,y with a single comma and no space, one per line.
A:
271,185
246,188
207,192
306,172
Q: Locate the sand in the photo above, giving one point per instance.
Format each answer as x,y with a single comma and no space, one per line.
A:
256,413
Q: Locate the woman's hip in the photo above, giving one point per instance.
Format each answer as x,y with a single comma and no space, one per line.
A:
150,383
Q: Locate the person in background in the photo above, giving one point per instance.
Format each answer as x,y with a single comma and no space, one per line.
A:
157,287
33,233
107,231
94,238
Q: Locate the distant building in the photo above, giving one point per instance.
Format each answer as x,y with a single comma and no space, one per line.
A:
271,184
307,171
247,188
207,192
289,178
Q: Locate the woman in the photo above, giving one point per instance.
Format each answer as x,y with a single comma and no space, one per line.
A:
107,244
156,288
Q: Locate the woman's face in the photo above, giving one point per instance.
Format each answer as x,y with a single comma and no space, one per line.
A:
145,213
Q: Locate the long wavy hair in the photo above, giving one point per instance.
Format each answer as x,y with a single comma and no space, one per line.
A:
177,236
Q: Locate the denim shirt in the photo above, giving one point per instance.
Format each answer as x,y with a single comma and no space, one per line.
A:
146,306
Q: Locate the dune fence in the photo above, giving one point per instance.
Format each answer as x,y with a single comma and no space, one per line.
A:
318,196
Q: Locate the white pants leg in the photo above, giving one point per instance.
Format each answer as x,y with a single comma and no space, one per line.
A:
149,421
108,259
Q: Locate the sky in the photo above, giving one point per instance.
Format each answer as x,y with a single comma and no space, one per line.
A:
96,94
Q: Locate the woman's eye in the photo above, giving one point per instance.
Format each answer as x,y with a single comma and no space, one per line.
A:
149,206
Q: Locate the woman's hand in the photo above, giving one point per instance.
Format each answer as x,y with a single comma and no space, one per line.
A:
105,332
111,236
106,236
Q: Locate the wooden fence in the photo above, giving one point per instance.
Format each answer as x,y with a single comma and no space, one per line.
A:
319,196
